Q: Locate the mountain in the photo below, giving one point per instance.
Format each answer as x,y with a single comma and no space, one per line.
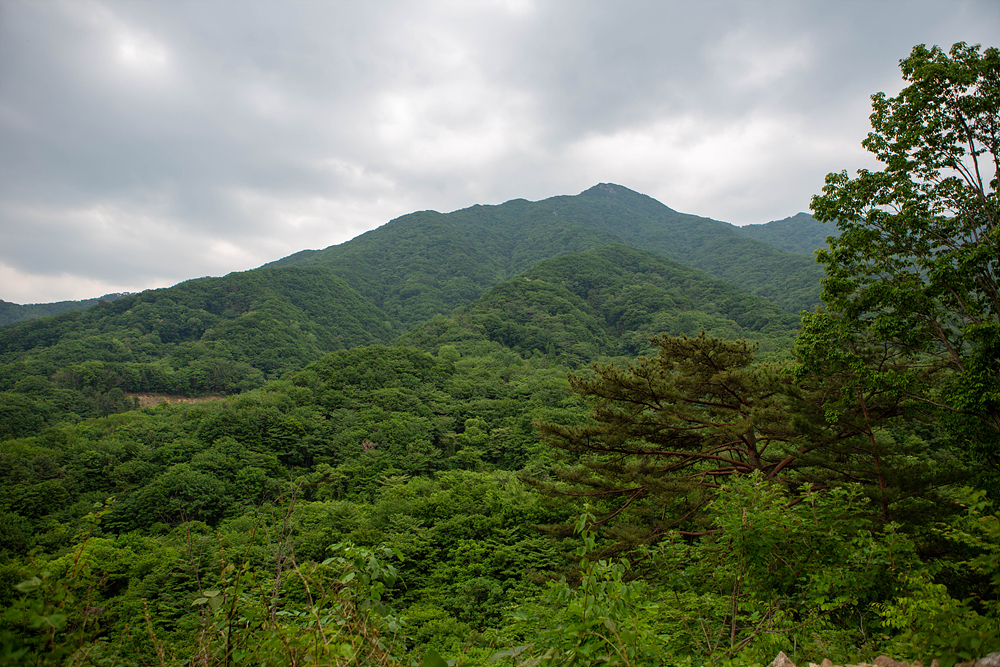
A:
570,279
428,262
435,484
15,312
606,302
800,233
211,335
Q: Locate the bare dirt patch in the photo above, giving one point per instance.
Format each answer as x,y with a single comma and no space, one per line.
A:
150,400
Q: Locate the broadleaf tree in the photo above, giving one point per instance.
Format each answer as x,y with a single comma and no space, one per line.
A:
916,265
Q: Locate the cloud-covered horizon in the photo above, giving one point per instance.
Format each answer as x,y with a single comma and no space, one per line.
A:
148,143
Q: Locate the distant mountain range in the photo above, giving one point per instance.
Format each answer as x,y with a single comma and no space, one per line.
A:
15,312
429,262
488,244
570,279
800,233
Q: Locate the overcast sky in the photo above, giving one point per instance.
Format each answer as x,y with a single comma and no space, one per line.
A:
145,143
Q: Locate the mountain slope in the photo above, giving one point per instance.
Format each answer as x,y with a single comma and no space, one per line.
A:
801,233
428,262
702,243
305,308
15,312
606,302
597,274
203,336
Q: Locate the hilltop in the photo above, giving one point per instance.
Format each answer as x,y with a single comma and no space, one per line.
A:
428,262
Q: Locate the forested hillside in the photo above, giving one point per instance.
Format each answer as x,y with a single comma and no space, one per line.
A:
205,336
607,302
801,233
407,499
15,312
536,434
429,263
226,335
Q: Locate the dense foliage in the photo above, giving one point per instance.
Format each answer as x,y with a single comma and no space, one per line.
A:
500,436
225,335
206,336
801,233
917,265
429,263
381,445
15,312
607,302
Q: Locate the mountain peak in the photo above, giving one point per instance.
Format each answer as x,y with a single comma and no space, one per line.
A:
608,190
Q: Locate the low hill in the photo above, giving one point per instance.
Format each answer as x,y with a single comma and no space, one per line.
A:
208,335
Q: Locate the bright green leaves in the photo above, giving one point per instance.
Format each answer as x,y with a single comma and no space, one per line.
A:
605,619
774,570
927,620
212,598
778,570
29,585
367,575
917,265
324,614
433,659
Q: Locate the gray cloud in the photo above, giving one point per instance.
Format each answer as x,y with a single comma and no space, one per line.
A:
147,143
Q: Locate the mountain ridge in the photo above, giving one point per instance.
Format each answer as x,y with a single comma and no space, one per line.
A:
426,262
800,233
16,312
551,279
499,241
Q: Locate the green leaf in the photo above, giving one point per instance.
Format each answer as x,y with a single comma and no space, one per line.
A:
29,585
432,659
509,653
56,621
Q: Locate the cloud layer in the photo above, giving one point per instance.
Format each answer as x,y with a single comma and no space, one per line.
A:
148,143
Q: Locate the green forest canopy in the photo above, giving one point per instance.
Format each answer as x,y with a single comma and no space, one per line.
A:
555,448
